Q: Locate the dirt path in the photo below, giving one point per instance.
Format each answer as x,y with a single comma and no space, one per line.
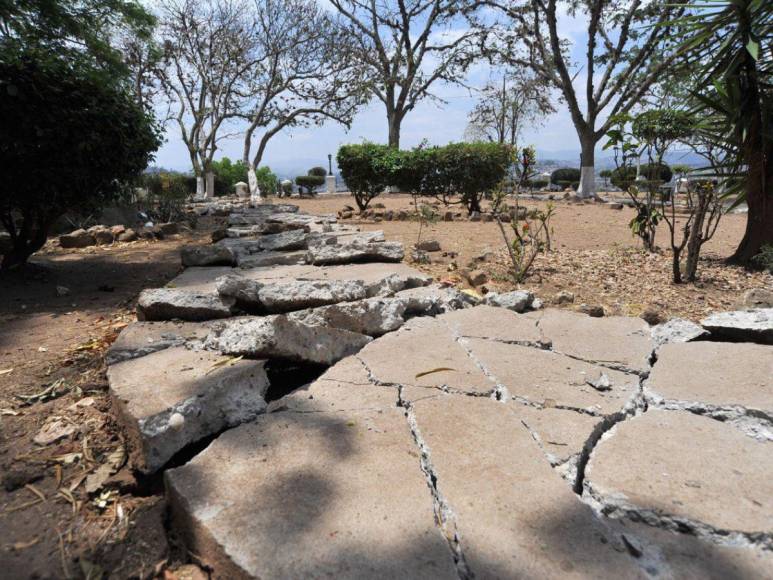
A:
57,318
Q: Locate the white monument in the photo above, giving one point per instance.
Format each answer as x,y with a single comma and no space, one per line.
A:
242,190
330,183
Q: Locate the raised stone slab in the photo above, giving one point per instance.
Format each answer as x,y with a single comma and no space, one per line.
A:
281,337
184,304
675,469
333,492
355,251
168,399
614,341
377,276
143,338
742,325
212,255
726,380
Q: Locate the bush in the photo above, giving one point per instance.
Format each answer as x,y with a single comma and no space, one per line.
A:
268,182
71,139
309,183
565,176
538,183
653,174
319,171
227,174
471,170
367,169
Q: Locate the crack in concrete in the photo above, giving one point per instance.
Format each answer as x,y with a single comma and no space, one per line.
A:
500,392
618,508
754,423
445,518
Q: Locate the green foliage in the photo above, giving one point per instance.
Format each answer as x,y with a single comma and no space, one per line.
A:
167,194
662,127
680,169
268,182
367,169
309,183
471,170
654,173
467,170
318,171
227,174
565,176
734,94
764,260
71,136
538,183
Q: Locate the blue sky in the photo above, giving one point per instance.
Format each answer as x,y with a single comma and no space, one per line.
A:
439,123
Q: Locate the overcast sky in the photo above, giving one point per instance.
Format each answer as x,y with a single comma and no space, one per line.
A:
438,123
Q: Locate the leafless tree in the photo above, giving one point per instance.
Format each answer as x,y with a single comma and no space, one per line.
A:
629,46
408,46
304,73
506,106
207,51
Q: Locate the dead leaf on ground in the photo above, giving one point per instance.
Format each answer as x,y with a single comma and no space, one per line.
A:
437,370
6,371
223,362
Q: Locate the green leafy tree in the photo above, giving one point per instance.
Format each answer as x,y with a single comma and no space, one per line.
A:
734,88
70,137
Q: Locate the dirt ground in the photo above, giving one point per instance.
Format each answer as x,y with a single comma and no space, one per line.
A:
63,514
70,507
594,257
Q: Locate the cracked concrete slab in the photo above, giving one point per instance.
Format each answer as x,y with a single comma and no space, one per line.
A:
168,399
143,338
615,341
497,324
718,374
742,325
322,495
514,516
553,380
678,470
561,434
424,353
183,304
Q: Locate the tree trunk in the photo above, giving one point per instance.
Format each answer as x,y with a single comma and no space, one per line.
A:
587,186
759,198
25,245
210,185
252,178
394,130
200,193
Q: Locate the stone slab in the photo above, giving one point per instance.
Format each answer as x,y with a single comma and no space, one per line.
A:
680,465
264,259
279,337
615,340
497,324
514,515
716,373
312,495
176,396
553,380
183,304
355,252
562,434
143,338
423,353
742,325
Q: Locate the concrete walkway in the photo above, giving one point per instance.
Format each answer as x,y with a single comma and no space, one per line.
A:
444,439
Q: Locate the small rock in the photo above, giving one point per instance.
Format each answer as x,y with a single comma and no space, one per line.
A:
600,383
169,228
77,239
62,291
563,297
615,205
212,255
428,246
117,230
103,237
677,330
128,236
477,277
756,298
487,217
517,301
448,216
592,310
652,315
420,257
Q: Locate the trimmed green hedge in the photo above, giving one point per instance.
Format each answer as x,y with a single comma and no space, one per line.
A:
652,173
565,176
467,170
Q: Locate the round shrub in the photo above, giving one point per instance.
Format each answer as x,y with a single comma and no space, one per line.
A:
565,176
318,171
